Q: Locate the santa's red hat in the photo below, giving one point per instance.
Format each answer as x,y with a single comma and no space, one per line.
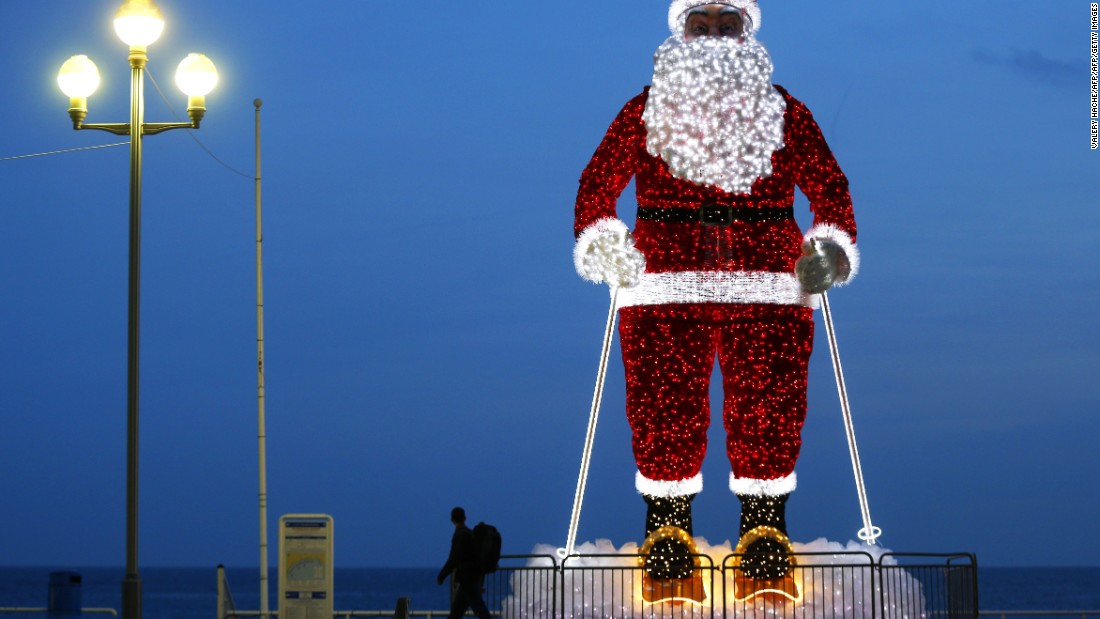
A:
677,13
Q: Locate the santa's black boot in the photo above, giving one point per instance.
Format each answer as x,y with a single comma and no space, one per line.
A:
668,537
764,540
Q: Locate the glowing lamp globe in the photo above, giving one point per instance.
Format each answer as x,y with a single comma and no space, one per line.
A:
78,77
139,23
196,75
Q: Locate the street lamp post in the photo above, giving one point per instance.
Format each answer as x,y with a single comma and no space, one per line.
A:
138,23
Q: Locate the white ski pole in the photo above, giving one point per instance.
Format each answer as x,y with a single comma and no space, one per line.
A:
586,456
869,533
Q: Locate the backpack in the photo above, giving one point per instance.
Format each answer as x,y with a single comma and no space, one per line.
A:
487,547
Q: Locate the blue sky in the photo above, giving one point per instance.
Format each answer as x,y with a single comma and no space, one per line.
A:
428,343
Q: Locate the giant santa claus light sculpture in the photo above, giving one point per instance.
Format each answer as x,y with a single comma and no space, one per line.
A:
716,267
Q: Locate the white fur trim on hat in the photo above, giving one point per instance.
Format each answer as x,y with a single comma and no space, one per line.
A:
680,487
745,486
677,12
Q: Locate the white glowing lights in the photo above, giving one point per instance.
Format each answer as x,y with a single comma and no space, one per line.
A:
78,77
139,23
659,488
605,252
712,114
196,75
836,582
737,287
743,486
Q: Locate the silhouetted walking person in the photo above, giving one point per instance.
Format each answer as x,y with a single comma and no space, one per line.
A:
462,566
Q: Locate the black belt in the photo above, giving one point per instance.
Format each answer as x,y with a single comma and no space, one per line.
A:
714,214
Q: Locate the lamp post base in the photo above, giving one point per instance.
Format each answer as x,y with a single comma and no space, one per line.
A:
131,597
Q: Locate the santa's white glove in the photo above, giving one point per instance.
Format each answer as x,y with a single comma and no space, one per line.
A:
605,252
823,264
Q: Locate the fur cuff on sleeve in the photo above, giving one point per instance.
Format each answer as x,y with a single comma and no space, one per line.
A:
597,230
841,238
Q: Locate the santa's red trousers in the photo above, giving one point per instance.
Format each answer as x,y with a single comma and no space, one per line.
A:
763,352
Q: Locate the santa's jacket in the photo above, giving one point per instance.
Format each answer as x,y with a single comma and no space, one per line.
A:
756,259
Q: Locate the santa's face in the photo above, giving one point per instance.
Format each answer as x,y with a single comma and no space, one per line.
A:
712,113
714,20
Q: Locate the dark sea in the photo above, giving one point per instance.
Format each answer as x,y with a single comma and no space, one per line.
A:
190,593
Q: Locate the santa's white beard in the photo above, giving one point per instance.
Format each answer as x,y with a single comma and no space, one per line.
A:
712,114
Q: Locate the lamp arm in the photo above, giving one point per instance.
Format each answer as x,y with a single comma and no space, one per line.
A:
115,128
146,128
154,128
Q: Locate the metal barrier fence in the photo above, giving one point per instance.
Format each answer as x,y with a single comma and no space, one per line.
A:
949,583
843,585
36,610
1004,614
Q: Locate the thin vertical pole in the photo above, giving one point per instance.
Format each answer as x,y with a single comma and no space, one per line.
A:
131,584
869,533
590,435
221,592
262,435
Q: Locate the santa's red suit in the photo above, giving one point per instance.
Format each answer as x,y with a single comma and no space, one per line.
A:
727,289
